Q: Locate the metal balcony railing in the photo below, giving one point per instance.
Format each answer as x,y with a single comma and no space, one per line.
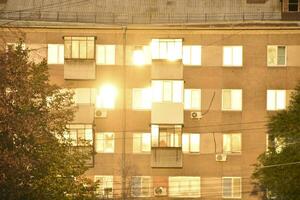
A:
136,18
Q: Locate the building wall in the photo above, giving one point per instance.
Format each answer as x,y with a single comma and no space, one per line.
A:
254,77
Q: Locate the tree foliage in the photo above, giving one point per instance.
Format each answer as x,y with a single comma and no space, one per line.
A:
36,161
278,170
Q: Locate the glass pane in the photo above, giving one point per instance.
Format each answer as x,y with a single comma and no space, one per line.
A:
195,142
227,187
109,142
272,55
137,98
167,91
237,56
155,49
281,55
185,142
89,134
196,55
136,143
177,91
236,99
154,134
226,143
100,54
61,54
90,49
110,54
186,58
187,98
236,187
271,99
280,99
82,49
99,142
75,49
136,186
226,99
146,142
171,50
157,89
68,49
196,99
236,143
227,56
52,54
163,54
146,98
178,49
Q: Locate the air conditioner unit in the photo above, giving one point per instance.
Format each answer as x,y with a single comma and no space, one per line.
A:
196,115
160,191
221,157
99,113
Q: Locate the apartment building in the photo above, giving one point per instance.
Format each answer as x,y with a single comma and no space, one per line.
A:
172,110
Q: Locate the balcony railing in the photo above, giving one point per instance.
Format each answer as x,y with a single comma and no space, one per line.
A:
166,157
136,18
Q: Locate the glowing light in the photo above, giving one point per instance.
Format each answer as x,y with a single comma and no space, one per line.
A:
139,57
106,97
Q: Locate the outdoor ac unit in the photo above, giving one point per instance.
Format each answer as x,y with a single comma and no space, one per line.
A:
221,157
196,115
100,113
160,191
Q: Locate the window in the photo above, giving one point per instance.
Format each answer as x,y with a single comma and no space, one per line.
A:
167,91
191,143
79,47
141,98
232,143
79,134
232,187
276,99
170,49
106,54
141,186
192,99
141,142
104,142
84,95
107,97
14,46
293,5
166,135
184,186
191,55
55,54
105,186
276,55
232,99
233,56
141,55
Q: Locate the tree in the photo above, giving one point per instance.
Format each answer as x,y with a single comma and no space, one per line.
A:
278,170
36,160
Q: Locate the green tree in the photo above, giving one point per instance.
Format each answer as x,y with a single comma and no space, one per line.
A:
278,170
36,161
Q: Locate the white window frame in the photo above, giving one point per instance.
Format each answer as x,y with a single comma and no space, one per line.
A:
141,149
159,90
275,100
107,183
141,187
73,134
100,140
145,95
103,53
75,45
164,49
189,103
187,139
59,51
232,188
240,108
192,55
230,151
276,56
88,94
183,191
232,50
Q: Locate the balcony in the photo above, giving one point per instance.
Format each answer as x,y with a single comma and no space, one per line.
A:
82,69
166,157
164,69
88,150
167,113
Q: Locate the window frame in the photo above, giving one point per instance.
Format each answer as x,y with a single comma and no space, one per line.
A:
191,99
101,141
231,152
231,107
162,90
188,51
276,100
75,128
189,143
60,59
149,187
156,53
276,56
68,52
102,186
182,179
293,4
232,64
140,92
232,187
106,51
139,137
175,135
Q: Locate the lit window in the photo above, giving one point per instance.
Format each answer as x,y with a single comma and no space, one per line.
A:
170,49
141,98
167,91
79,134
191,55
233,56
191,143
276,99
141,142
141,55
192,99
166,135
79,47
106,54
104,142
55,54
141,186
232,99
107,97
85,95
232,187
184,186
105,186
232,143
293,5
276,55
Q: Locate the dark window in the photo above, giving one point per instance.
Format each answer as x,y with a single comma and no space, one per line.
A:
293,5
